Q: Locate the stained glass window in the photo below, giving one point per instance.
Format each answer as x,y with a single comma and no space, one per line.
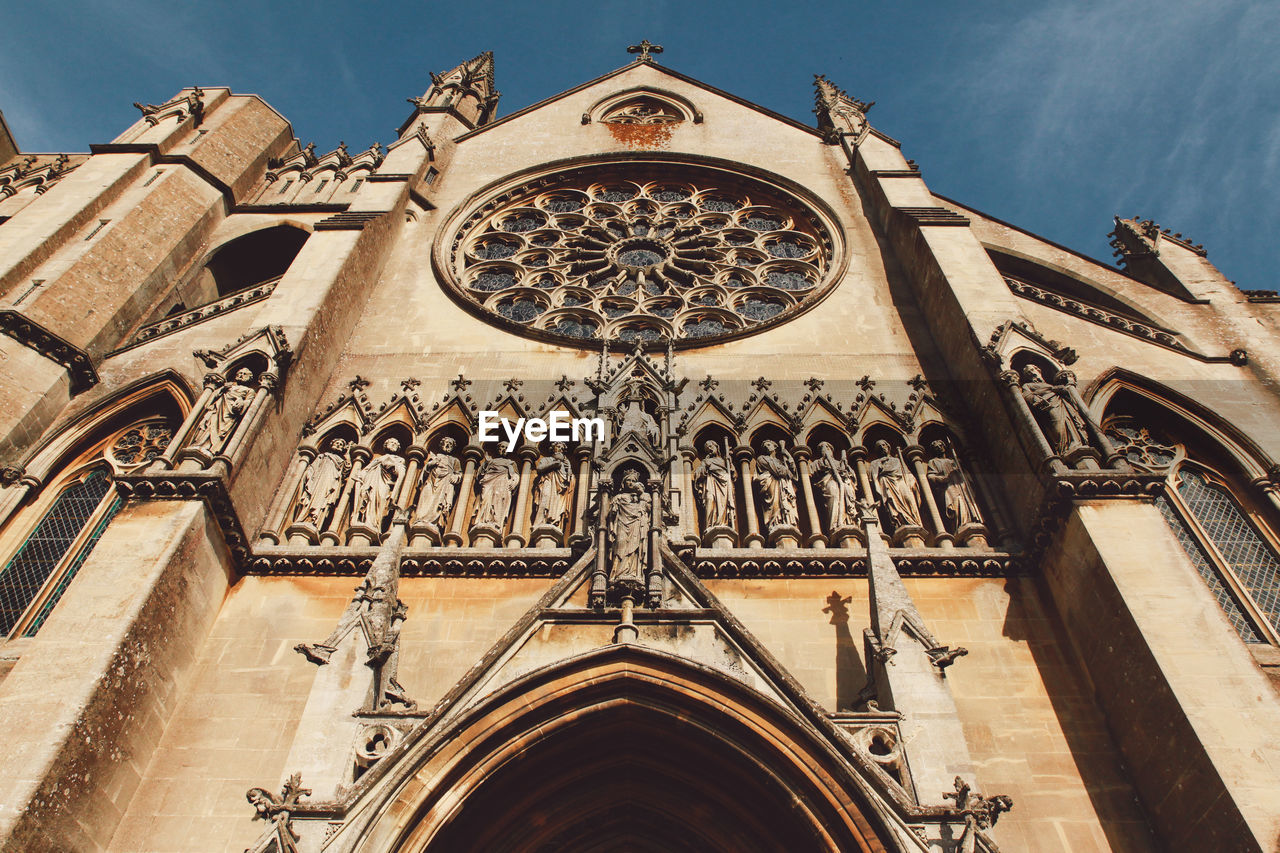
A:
47,547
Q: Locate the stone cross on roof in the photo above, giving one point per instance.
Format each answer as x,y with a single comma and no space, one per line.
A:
644,48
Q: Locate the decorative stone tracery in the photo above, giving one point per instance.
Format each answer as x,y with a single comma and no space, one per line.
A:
639,252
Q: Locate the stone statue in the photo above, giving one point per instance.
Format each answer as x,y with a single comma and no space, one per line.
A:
713,481
958,501
377,484
322,484
552,495
223,411
441,474
637,420
836,478
498,479
896,488
1063,424
776,478
629,513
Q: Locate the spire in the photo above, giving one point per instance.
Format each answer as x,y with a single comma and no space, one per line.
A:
467,90
838,113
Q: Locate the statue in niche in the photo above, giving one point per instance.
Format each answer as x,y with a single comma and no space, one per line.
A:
552,495
441,474
958,501
1054,409
377,484
636,419
713,481
838,481
897,489
776,478
498,479
226,406
629,513
322,484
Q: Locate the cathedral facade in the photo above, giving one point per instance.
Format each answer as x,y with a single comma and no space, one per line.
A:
641,470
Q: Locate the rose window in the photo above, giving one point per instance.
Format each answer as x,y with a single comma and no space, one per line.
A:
643,252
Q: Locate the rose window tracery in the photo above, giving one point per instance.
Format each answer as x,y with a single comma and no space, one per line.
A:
641,252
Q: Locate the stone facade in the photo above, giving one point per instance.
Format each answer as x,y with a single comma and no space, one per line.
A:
928,533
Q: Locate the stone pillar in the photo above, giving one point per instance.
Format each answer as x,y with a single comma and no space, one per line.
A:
516,538
403,500
164,461
285,497
743,453
654,568
582,497
941,538
1110,455
816,537
908,668
600,572
689,512
461,504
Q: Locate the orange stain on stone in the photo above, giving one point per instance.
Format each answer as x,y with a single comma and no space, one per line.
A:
641,135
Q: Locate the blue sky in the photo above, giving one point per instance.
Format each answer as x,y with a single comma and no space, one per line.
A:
1053,116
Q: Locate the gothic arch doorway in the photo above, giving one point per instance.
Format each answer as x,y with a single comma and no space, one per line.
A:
626,749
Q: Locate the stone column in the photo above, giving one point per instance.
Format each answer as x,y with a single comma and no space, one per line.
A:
744,454
1111,456
816,537
359,456
941,538
689,512
599,574
164,461
461,504
402,502
908,667
654,569
582,497
516,538
285,497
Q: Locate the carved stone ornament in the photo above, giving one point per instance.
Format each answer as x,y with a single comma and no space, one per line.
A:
896,488
278,836
980,814
837,481
441,473
222,412
713,483
497,481
946,475
1061,421
628,525
638,252
322,484
377,485
552,495
775,479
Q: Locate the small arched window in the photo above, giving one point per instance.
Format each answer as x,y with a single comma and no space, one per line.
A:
1226,539
64,522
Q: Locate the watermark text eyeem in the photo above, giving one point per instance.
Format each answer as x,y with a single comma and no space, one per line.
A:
558,426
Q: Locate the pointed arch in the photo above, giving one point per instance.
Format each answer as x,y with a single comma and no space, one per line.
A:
1221,501
628,724
64,500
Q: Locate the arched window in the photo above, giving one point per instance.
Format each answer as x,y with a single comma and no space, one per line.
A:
1227,539
64,522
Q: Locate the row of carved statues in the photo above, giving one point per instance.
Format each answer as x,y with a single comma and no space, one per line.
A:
337,489
347,494
906,488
